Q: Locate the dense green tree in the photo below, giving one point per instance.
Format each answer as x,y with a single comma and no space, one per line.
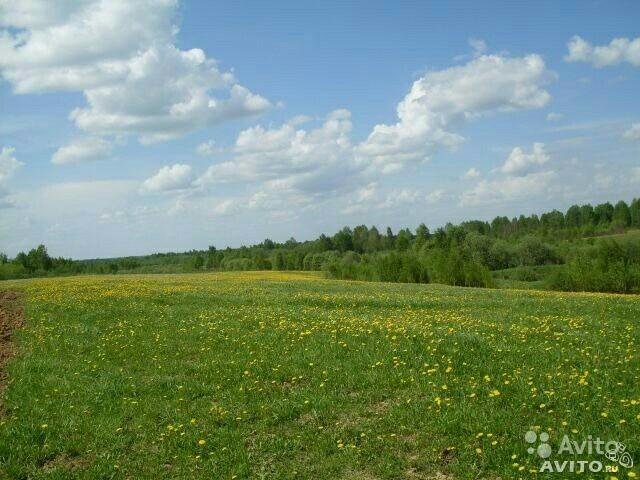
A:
478,247
129,263
36,260
573,217
500,226
291,243
603,213
634,212
621,215
324,243
533,251
198,262
404,239
360,235
343,240
476,226
422,236
553,220
278,261
268,244
587,217
422,232
260,261
389,240
441,240
374,241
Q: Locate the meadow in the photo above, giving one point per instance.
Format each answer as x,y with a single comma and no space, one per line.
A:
289,375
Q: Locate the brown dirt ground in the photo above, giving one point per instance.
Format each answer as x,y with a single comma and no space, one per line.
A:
11,318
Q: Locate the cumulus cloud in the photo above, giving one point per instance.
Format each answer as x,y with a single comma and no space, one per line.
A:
370,197
82,150
471,173
520,162
300,162
554,116
169,178
435,196
479,46
633,133
121,55
508,189
619,50
207,148
224,207
9,164
520,177
443,99
288,158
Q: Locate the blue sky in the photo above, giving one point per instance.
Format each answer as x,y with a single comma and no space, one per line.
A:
175,125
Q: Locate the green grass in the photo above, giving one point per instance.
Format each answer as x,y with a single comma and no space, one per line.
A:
276,375
536,278
631,233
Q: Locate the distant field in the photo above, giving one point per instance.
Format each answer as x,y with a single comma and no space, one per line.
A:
631,233
287,375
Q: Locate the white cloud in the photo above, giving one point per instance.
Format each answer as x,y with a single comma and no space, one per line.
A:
635,174
479,46
443,99
120,54
617,51
5,201
69,199
508,189
131,214
169,178
519,178
471,173
370,198
224,207
82,150
435,197
9,164
554,116
520,162
207,148
76,45
366,193
404,196
633,133
301,164
287,158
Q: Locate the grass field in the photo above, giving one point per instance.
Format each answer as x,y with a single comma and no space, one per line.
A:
274,375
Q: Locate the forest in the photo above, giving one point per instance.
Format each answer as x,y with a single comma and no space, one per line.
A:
586,248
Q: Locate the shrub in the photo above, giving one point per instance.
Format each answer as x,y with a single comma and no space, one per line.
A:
533,251
608,266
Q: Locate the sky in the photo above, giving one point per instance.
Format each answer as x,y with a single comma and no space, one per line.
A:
132,127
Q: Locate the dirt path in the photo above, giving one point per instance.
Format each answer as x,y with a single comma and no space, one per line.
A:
11,318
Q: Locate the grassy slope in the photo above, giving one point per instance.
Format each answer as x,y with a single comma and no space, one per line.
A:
267,375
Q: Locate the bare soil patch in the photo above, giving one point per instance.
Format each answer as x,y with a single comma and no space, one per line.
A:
11,318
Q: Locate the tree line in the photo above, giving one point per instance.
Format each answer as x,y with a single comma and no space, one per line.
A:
472,253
